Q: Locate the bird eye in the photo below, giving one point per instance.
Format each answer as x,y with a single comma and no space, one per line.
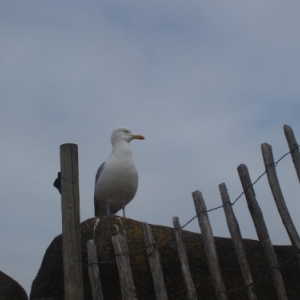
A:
126,131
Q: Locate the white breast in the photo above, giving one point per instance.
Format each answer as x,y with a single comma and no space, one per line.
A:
118,182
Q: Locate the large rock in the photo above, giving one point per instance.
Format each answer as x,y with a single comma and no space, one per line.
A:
10,289
49,280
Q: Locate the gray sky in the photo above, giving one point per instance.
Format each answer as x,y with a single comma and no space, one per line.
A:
205,82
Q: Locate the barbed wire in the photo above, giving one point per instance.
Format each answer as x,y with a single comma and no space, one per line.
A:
120,254
252,184
136,250
210,210
254,283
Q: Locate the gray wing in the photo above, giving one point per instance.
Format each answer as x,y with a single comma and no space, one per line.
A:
99,171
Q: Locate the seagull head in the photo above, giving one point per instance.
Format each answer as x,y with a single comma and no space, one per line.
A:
124,134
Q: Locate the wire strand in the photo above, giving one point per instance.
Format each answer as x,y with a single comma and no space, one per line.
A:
252,184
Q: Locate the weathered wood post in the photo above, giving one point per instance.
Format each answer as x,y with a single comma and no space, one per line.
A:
189,284
124,268
262,232
71,238
237,240
278,197
155,265
94,271
209,245
294,148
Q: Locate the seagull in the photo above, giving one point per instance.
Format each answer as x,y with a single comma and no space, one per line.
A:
117,178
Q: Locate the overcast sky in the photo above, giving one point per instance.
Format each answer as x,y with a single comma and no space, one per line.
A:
205,82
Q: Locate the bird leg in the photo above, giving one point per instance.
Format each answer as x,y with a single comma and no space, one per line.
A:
108,212
123,208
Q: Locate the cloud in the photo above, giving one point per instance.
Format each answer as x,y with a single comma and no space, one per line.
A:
205,83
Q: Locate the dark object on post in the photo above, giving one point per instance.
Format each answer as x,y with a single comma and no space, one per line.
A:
57,182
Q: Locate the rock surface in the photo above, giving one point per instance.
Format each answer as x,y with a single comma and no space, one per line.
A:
48,283
10,289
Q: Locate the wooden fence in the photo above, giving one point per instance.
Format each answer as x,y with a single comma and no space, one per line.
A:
152,251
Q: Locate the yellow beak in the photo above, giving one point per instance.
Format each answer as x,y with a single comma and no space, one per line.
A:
137,137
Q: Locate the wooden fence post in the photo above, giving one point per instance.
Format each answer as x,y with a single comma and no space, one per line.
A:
190,288
293,146
94,271
124,268
71,236
262,232
237,240
210,246
155,265
278,196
